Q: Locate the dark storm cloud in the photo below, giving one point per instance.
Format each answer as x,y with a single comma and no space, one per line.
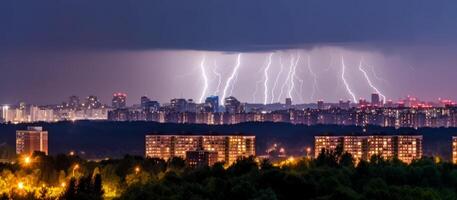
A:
222,25
51,49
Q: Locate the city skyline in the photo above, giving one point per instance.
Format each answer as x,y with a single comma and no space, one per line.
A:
132,102
228,99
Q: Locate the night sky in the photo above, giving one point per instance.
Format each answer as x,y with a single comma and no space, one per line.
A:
51,49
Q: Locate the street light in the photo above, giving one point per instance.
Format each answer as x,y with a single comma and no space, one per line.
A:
27,160
20,185
137,170
76,167
308,151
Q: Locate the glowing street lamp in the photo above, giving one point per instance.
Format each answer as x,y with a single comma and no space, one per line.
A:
20,185
308,151
137,170
27,160
76,167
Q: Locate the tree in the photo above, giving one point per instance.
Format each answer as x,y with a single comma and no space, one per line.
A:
70,191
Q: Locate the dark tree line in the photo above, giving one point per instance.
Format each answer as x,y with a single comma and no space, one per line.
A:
332,176
89,188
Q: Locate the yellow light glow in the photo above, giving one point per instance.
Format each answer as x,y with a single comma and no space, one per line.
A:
26,161
20,185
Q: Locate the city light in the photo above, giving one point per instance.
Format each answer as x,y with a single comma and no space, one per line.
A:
137,170
27,160
20,185
75,168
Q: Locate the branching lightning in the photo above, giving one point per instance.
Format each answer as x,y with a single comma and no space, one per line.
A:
376,75
254,95
205,79
292,58
293,77
343,71
265,83
277,79
235,80
370,83
232,76
301,90
314,78
219,78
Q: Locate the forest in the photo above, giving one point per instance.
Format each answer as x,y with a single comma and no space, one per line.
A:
332,175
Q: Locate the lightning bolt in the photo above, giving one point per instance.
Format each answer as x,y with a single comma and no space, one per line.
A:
376,75
293,77
348,89
233,84
292,58
314,78
370,83
205,79
254,95
232,76
277,79
265,83
219,78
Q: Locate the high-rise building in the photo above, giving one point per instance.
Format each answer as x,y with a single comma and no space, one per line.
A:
119,100
228,147
344,104
31,140
143,101
363,103
356,146
232,105
74,102
4,116
320,105
148,105
92,102
381,145
375,100
404,147
288,102
212,104
409,147
191,106
327,143
178,105
454,149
